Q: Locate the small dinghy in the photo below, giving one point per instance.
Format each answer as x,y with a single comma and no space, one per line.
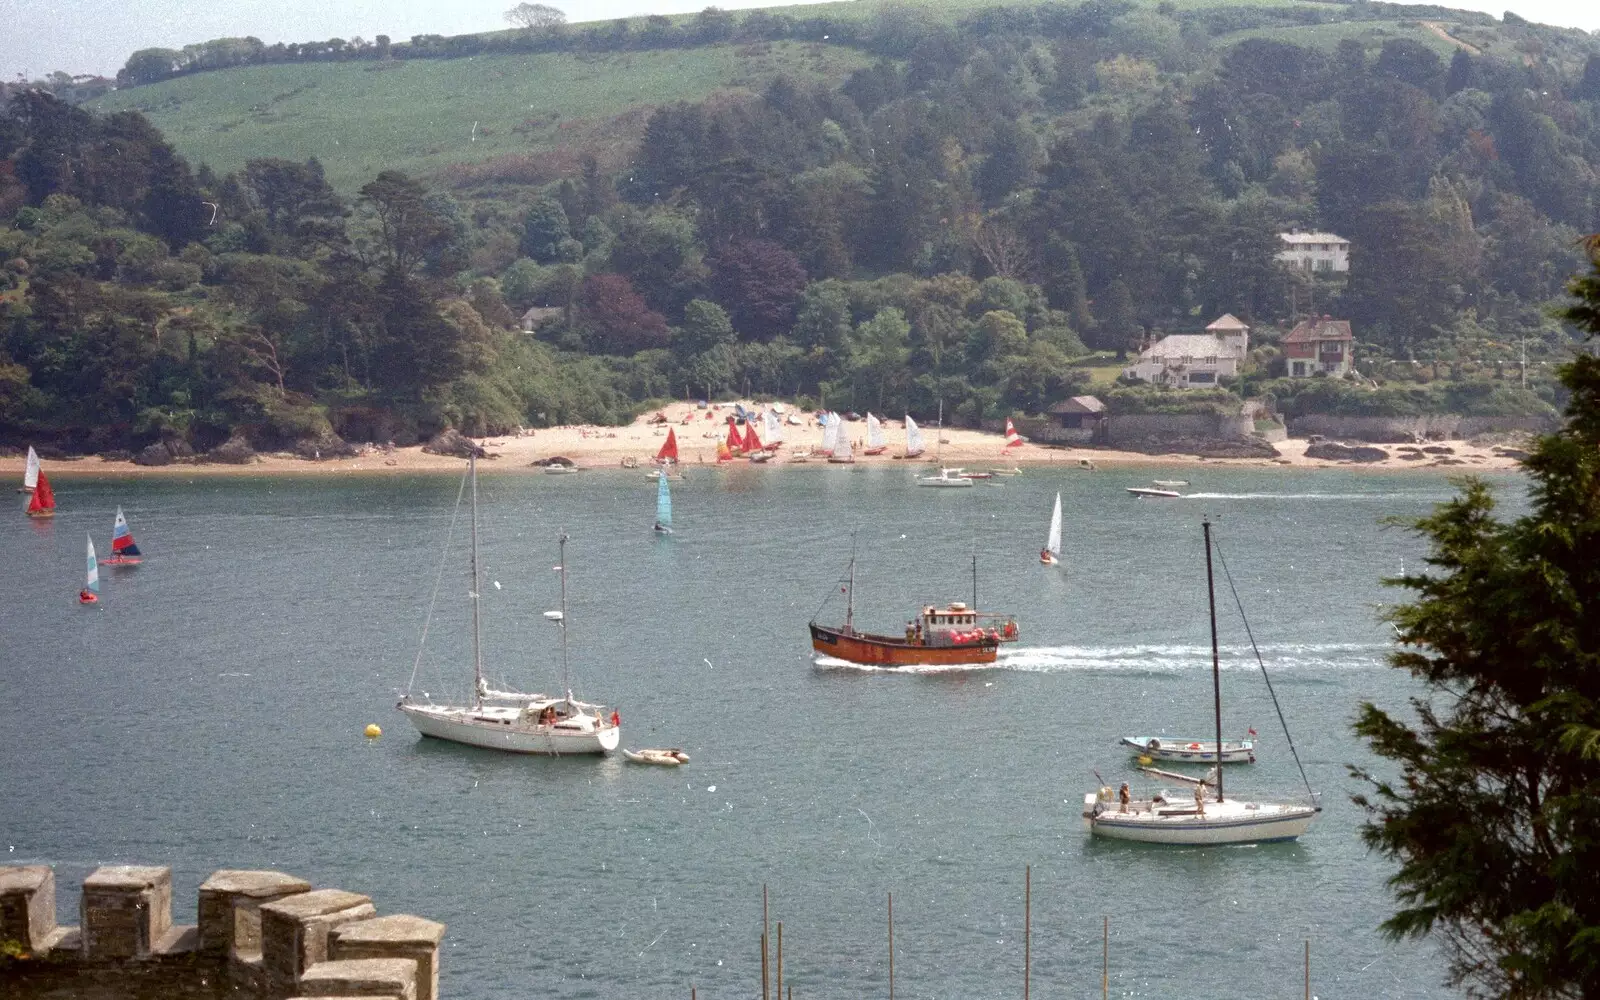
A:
1142,491
671,757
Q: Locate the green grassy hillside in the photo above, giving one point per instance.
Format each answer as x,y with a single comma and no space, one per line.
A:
418,115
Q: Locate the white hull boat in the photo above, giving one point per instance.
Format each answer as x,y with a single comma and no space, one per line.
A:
672,757
1146,491
512,728
1158,821
1192,751
947,478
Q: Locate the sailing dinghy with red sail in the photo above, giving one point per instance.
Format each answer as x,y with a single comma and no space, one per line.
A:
43,501
669,449
124,551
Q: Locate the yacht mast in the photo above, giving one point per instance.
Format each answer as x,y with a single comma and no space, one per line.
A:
1216,668
477,638
566,678
850,593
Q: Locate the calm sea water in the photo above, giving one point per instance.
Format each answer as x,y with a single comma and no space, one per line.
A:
209,714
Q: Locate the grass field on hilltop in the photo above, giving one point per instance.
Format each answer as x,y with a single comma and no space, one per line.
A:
417,115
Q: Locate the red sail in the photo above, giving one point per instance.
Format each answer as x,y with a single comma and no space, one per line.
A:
44,499
669,449
752,444
733,442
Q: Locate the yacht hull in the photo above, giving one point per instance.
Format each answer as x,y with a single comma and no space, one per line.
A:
459,726
1227,823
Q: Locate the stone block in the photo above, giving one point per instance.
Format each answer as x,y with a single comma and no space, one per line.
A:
127,911
294,931
230,909
362,977
398,935
28,906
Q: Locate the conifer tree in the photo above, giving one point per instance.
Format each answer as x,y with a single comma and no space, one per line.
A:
1494,816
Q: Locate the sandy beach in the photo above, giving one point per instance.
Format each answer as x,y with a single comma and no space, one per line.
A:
616,447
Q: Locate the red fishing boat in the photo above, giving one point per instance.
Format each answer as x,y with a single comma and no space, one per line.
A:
955,634
43,501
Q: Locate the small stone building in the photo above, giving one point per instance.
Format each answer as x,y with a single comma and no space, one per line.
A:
1078,420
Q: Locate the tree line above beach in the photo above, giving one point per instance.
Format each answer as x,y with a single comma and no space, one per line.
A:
978,221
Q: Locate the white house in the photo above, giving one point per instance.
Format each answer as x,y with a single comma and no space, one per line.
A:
1319,253
1195,359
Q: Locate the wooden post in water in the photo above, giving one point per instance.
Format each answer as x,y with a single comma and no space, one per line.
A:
1105,960
1308,969
692,994
780,959
891,946
765,927
1027,927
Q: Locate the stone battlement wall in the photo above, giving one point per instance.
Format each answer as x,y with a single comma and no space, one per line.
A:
261,936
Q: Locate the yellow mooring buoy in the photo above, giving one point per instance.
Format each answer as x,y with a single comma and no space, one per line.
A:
1143,761
372,731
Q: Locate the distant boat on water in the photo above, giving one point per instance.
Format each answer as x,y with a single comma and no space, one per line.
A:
43,501
90,593
124,551
663,506
30,473
1051,554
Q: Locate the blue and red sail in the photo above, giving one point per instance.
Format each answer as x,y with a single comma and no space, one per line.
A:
123,547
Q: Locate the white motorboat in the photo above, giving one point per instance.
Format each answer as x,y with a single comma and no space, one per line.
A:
514,721
671,757
1190,750
946,478
1196,818
1146,491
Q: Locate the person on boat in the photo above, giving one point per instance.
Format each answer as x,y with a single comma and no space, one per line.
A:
1200,799
616,718
1123,796
911,631
87,596
1044,556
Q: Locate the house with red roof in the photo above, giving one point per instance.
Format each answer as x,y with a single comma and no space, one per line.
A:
1320,346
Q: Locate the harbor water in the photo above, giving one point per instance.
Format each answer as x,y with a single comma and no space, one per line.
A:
209,714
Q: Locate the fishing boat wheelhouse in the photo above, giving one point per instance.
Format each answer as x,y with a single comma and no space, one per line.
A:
955,634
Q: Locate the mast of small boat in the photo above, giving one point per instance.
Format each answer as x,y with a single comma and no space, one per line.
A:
850,593
1216,662
566,678
477,639
974,577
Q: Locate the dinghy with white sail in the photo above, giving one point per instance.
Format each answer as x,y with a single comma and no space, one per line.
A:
1050,555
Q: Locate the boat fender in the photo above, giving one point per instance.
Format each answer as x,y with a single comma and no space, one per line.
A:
1153,745
1193,746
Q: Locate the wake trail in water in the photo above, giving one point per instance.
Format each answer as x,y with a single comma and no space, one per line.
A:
1152,658
1420,496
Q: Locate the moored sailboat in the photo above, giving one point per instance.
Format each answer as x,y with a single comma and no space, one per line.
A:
30,472
43,501
1160,819
124,551
514,721
1050,555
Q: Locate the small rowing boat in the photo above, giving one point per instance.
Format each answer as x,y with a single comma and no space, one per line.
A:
670,757
1145,491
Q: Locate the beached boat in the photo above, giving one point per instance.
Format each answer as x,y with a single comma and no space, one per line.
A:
1191,750
1196,819
772,425
914,446
1013,439
663,507
876,443
43,501
90,594
1145,491
668,453
840,454
124,551
1050,555
752,444
953,635
668,757
514,721
30,472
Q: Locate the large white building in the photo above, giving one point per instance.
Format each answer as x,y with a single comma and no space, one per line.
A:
1195,359
1319,253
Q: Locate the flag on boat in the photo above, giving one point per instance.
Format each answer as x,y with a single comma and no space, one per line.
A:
43,501
30,475
1013,439
669,448
122,543
92,578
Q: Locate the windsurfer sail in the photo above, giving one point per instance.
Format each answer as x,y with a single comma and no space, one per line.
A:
1051,556
663,506
124,551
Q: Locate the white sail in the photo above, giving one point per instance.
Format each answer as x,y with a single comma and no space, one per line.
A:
1053,544
773,427
914,444
841,447
874,432
92,581
830,431
30,476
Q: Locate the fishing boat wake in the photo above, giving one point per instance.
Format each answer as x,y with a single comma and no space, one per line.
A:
1289,658
1421,496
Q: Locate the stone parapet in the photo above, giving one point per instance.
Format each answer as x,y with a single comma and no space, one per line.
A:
262,935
